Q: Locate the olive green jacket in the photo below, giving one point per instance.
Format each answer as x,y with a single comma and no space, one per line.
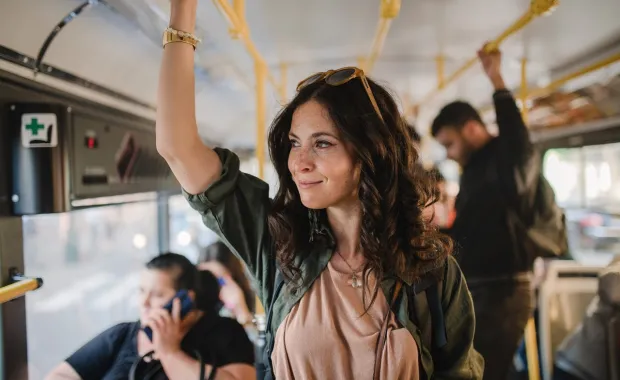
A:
236,206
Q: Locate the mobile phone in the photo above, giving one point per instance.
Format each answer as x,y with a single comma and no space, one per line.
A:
186,306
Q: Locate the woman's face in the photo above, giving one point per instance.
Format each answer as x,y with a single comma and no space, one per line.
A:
156,289
320,163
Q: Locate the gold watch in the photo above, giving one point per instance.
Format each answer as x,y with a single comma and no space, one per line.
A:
172,35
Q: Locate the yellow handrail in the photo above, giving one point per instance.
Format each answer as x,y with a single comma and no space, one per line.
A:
523,95
261,74
18,289
388,11
239,30
568,77
440,60
537,8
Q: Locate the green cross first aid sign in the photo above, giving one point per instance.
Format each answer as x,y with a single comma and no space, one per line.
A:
39,130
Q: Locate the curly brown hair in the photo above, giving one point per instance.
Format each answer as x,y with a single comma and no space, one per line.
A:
394,236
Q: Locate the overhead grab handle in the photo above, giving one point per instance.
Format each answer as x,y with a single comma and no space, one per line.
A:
537,8
388,12
19,286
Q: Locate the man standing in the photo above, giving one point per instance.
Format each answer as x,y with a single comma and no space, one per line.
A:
496,177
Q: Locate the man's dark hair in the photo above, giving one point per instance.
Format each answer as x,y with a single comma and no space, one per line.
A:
455,115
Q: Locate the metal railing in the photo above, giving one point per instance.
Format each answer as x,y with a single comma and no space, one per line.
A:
19,286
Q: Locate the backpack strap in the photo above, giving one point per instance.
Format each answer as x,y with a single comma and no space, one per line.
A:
269,337
426,310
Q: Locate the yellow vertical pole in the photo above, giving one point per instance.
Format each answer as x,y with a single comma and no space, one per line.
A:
531,350
261,78
440,62
283,81
523,95
239,7
361,62
531,343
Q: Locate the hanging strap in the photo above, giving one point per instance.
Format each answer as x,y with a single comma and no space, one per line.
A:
426,311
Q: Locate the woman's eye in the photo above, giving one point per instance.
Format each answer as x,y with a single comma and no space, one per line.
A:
323,144
294,144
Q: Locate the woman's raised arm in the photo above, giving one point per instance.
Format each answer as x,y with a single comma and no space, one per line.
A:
194,164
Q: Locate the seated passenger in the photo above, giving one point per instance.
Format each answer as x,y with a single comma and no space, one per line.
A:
220,342
345,228
235,291
585,353
443,209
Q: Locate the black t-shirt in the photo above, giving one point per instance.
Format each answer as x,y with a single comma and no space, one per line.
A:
110,355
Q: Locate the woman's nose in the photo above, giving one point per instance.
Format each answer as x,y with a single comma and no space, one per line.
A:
304,160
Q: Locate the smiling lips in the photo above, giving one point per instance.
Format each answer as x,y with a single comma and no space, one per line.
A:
307,184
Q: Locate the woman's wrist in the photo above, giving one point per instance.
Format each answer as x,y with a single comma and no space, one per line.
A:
244,316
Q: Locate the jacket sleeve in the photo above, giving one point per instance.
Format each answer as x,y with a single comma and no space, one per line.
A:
519,162
235,207
513,134
457,359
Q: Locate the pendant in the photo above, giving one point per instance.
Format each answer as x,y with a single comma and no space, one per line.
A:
355,282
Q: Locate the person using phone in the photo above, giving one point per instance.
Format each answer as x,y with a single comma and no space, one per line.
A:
177,345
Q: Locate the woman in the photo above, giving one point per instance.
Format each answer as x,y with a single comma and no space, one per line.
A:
176,342
345,227
441,212
235,291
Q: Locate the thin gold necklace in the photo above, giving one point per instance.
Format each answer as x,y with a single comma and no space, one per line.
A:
354,281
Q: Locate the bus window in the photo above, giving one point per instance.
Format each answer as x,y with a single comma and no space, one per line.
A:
90,260
586,181
187,232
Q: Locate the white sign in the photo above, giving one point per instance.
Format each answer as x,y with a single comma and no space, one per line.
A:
39,130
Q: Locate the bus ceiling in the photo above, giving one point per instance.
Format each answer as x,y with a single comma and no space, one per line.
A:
418,47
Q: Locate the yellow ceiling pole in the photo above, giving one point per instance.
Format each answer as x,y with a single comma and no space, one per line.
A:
537,8
239,30
388,11
523,95
361,63
578,73
440,60
283,81
261,77
548,89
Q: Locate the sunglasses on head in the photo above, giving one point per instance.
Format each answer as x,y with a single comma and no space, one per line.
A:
341,76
